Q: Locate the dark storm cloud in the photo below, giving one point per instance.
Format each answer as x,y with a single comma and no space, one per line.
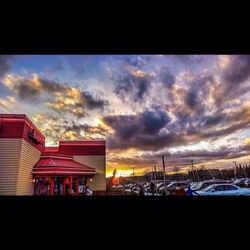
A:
238,70
192,99
213,120
97,130
197,94
27,92
235,75
166,77
153,121
5,64
93,102
138,131
132,85
144,131
51,86
143,142
229,124
148,122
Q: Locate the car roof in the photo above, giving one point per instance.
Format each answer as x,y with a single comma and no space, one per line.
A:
222,184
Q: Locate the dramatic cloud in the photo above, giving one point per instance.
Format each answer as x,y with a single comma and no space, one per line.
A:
134,85
75,101
235,75
31,88
56,128
63,98
166,77
185,106
142,130
238,70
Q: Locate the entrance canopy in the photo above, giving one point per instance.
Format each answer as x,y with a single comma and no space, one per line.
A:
60,165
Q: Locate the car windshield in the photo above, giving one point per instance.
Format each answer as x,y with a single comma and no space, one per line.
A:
208,188
172,184
193,185
198,185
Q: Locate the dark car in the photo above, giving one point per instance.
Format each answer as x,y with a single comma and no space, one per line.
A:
240,182
247,183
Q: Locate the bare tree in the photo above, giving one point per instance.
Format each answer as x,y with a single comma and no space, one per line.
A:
176,171
202,170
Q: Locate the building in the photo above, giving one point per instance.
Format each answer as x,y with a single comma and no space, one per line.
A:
28,167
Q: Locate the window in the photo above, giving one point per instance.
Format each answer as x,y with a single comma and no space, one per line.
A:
219,188
229,187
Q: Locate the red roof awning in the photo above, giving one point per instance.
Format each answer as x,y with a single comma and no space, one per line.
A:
59,165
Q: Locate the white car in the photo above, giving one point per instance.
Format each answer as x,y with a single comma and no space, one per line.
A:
224,189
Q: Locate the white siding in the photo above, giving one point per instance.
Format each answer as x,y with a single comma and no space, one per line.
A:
99,163
29,157
10,150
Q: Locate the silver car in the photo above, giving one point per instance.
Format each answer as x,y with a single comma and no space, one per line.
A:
224,189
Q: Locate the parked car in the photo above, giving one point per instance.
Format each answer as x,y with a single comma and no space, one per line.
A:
117,188
128,188
224,189
247,183
135,189
203,184
161,185
240,182
170,189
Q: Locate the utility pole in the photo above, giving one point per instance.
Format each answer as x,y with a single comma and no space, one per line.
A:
192,169
155,172
152,174
164,171
133,168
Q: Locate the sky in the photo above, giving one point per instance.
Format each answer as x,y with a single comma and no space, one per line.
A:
185,107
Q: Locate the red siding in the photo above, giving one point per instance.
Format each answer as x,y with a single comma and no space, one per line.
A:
83,143
12,129
19,126
51,149
78,149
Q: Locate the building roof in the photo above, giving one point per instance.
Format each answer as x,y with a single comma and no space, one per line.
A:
58,164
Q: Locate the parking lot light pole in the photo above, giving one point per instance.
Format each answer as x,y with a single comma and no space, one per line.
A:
164,171
193,169
155,173
235,169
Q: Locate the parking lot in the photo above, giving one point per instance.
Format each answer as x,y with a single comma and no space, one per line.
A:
233,187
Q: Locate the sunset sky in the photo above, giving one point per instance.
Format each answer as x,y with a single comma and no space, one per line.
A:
185,107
